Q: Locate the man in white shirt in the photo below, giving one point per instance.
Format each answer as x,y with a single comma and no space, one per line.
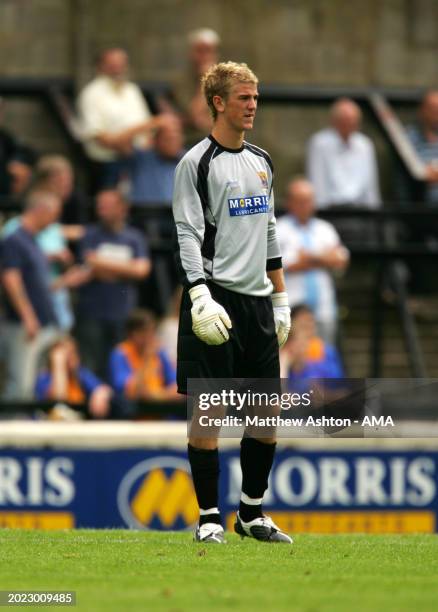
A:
115,118
311,250
341,162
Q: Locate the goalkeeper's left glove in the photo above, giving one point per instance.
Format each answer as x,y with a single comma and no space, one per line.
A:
280,305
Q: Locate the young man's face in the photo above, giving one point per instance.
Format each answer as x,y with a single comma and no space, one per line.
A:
239,108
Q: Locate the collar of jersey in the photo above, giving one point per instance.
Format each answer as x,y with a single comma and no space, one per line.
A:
218,144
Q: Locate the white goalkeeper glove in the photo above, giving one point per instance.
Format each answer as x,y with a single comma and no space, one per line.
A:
280,305
210,321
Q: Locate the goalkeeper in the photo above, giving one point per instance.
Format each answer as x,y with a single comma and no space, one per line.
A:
234,312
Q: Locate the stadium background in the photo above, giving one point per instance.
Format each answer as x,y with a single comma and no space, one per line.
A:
388,43
337,43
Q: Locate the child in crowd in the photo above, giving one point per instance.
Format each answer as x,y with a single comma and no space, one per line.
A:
66,380
306,356
139,368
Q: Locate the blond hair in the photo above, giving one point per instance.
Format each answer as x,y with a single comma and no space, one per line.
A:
218,80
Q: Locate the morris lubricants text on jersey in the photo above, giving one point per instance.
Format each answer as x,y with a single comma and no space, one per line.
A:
249,205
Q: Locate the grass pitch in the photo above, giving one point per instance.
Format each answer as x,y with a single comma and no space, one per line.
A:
136,571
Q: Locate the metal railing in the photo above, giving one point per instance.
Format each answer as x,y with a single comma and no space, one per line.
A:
390,251
391,256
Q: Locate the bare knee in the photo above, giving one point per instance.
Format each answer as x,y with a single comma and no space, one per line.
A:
204,443
267,440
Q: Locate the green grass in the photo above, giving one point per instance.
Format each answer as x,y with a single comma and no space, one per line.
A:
136,571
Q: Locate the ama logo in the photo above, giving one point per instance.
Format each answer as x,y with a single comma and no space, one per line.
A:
158,494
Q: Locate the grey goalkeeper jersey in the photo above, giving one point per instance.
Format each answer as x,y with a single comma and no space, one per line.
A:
223,205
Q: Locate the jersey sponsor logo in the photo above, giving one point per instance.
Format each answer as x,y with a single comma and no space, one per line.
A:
249,205
264,178
158,494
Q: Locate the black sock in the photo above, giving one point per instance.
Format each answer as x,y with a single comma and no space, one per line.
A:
205,473
211,517
256,461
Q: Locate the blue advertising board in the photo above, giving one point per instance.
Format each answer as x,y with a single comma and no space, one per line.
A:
309,491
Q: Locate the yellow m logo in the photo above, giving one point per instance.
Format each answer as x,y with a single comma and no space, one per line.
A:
166,498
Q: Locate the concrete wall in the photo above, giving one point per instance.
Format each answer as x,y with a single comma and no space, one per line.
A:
294,41
344,42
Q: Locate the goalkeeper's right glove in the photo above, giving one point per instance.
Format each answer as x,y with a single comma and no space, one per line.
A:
210,321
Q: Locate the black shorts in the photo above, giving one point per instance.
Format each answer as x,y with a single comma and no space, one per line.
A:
251,352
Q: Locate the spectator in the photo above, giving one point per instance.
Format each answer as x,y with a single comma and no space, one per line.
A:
305,355
203,53
139,367
52,242
115,117
16,163
30,318
311,251
115,258
66,380
424,138
153,170
55,173
421,230
341,161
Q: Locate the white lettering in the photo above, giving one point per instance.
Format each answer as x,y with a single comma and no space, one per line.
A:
370,473
35,481
283,481
10,474
57,477
333,482
373,421
421,476
397,471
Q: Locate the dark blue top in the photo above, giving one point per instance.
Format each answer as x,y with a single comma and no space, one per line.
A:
106,300
20,251
152,177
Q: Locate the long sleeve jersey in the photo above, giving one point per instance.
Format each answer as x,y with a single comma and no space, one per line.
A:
223,205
